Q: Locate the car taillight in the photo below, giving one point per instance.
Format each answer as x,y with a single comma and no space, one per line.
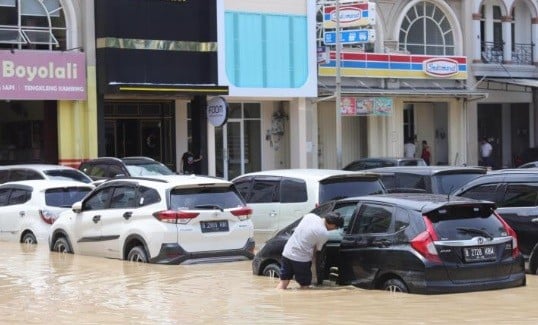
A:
423,243
510,232
242,213
170,216
48,216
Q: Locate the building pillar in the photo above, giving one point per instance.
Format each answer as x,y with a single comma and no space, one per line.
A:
457,136
476,35
507,38
298,134
534,39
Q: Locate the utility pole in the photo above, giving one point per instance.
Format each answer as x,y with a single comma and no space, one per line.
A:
339,164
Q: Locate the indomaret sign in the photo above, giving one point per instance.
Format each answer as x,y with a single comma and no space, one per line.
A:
42,75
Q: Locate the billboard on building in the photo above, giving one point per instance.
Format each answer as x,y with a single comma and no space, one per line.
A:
42,75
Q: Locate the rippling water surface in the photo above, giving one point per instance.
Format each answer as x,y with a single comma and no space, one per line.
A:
38,287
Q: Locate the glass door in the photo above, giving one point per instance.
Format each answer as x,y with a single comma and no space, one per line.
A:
238,142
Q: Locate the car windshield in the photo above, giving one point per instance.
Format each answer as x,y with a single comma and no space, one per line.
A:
447,183
65,196
347,187
465,222
148,169
68,174
222,197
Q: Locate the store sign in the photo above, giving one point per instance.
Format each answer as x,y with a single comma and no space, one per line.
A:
351,15
217,111
365,106
42,75
440,67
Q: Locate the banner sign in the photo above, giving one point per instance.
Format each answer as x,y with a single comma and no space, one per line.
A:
352,15
350,36
365,106
42,75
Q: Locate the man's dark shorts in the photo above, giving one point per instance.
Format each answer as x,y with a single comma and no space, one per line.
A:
301,270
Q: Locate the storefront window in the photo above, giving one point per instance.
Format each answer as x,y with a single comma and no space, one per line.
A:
32,24
426,30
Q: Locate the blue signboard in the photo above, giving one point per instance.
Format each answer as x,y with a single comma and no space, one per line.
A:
351,36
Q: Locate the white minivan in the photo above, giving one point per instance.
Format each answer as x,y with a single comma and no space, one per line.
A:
278,197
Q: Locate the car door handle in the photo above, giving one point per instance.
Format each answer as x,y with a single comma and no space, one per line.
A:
127,215
22,213
272,213
96,219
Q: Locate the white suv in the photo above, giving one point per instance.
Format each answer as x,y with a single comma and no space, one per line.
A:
278,197
163,219
28,208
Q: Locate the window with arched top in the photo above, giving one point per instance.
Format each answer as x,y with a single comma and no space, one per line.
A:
32,24
426,29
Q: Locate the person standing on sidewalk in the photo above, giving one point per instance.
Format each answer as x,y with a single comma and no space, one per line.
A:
309,235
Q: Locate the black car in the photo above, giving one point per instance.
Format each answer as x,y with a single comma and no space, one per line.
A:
417,243
430,179
108,167
515,191
376,162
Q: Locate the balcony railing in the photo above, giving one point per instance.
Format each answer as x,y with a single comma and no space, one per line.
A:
522,53
492,52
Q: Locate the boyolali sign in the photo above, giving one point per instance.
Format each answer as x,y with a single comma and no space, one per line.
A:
42,75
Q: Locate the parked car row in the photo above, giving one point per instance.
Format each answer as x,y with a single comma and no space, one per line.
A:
445,243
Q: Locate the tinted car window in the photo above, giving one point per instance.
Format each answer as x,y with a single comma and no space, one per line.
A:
19,196
243,186
264,191
348,187
4,176
4,196
372,219
293,190
457,223
205,197
98,200
412,181
123,197
114,170
486,192
65,197
520,195
148,196
24,174
67,174
446,183
95,170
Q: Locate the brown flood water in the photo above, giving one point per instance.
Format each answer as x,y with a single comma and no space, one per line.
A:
39,287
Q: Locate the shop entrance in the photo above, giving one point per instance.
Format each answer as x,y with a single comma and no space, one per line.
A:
140,129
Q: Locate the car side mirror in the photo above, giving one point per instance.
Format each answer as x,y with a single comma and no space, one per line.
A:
77,207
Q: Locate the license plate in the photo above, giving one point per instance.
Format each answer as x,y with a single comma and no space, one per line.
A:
479,254
214,226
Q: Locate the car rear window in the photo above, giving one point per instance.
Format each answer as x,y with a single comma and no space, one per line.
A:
347,187
446,183
66,196
466,222
205,197
68,174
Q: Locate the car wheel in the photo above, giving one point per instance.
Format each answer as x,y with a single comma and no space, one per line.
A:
137,254
272,270
29,238
533,260
395,285
61,245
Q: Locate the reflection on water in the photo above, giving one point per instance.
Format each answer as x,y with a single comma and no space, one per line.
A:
42,287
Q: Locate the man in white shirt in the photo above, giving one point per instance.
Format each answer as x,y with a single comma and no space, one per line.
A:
485,153
409,148
311,233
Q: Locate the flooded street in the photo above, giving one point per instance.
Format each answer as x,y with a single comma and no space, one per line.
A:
42,287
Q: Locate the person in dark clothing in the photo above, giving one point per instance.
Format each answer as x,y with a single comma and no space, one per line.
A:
190,163
426,154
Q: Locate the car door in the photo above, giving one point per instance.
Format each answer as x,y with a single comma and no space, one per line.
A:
13,214
87,226
116,219
264,199
366,247
518,205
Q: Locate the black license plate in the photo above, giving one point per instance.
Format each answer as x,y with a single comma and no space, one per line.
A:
214,226
479,254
